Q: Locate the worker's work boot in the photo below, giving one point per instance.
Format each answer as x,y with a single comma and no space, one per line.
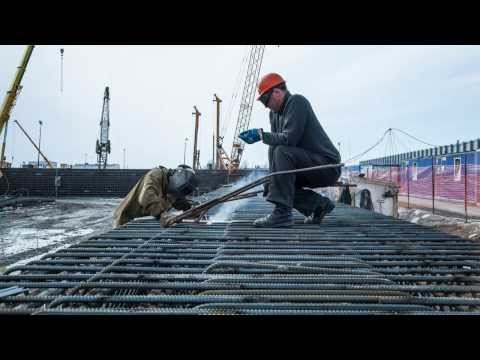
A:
319,213
280,217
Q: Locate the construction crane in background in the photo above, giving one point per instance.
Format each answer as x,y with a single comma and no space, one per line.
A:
35,145
222,160
255,59
103,144
11,98
196,152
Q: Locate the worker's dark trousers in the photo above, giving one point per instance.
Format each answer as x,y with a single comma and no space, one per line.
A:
288,189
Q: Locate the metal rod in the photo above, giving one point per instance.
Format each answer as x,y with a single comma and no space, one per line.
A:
39,143
433,185
244,196
35,145
185,151
217,133
193,212
408,186
195,159
465,186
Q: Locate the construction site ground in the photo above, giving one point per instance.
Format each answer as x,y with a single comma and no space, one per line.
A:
30,231
442,207
448,223
26,233
357,262
448,217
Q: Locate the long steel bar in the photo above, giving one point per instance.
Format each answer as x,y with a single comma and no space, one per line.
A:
195,211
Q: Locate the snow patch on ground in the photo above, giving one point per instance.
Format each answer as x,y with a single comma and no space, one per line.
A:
33,227
451,225
22,239
38,257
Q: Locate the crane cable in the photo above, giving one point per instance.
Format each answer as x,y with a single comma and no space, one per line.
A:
389,130
369,149
413,137
236,89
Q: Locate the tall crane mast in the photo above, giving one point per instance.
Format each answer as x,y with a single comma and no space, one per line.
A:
103,144
12,94
246,103
196,151
222,161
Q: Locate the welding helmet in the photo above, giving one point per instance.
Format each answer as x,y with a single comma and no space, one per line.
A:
182,181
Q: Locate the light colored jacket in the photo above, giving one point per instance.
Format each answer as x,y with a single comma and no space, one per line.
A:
147,198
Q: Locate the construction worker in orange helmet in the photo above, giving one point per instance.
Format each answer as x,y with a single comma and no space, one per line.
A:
296,140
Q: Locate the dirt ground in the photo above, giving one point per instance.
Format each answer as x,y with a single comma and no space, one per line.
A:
450,224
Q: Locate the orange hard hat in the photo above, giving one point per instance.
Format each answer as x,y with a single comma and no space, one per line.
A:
267,82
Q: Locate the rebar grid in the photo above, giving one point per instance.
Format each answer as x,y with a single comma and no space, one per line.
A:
355,262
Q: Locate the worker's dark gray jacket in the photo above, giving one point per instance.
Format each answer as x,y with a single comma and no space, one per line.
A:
296,125
297,140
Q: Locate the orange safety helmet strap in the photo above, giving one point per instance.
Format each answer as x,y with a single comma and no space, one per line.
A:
267,82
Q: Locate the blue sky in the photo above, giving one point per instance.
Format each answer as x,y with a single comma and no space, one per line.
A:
357,93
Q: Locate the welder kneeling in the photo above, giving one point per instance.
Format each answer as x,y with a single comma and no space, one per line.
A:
156,192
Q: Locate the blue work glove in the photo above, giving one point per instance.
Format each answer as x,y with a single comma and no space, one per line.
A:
250,136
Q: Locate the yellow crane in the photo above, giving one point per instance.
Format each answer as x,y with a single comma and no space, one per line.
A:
11,98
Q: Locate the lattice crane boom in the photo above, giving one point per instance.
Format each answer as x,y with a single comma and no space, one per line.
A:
12,94
103,144
246,103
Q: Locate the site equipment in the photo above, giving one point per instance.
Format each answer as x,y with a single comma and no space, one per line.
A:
103,144
11,97
35,145
255,58
196,152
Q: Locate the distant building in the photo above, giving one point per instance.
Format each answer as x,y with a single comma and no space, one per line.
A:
449,172
95,166
42,164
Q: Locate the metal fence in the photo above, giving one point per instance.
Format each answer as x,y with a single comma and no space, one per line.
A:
434,186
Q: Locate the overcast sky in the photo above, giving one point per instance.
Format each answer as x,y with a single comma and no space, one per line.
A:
357,93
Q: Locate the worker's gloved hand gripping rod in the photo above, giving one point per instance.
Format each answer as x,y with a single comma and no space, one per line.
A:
202,208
